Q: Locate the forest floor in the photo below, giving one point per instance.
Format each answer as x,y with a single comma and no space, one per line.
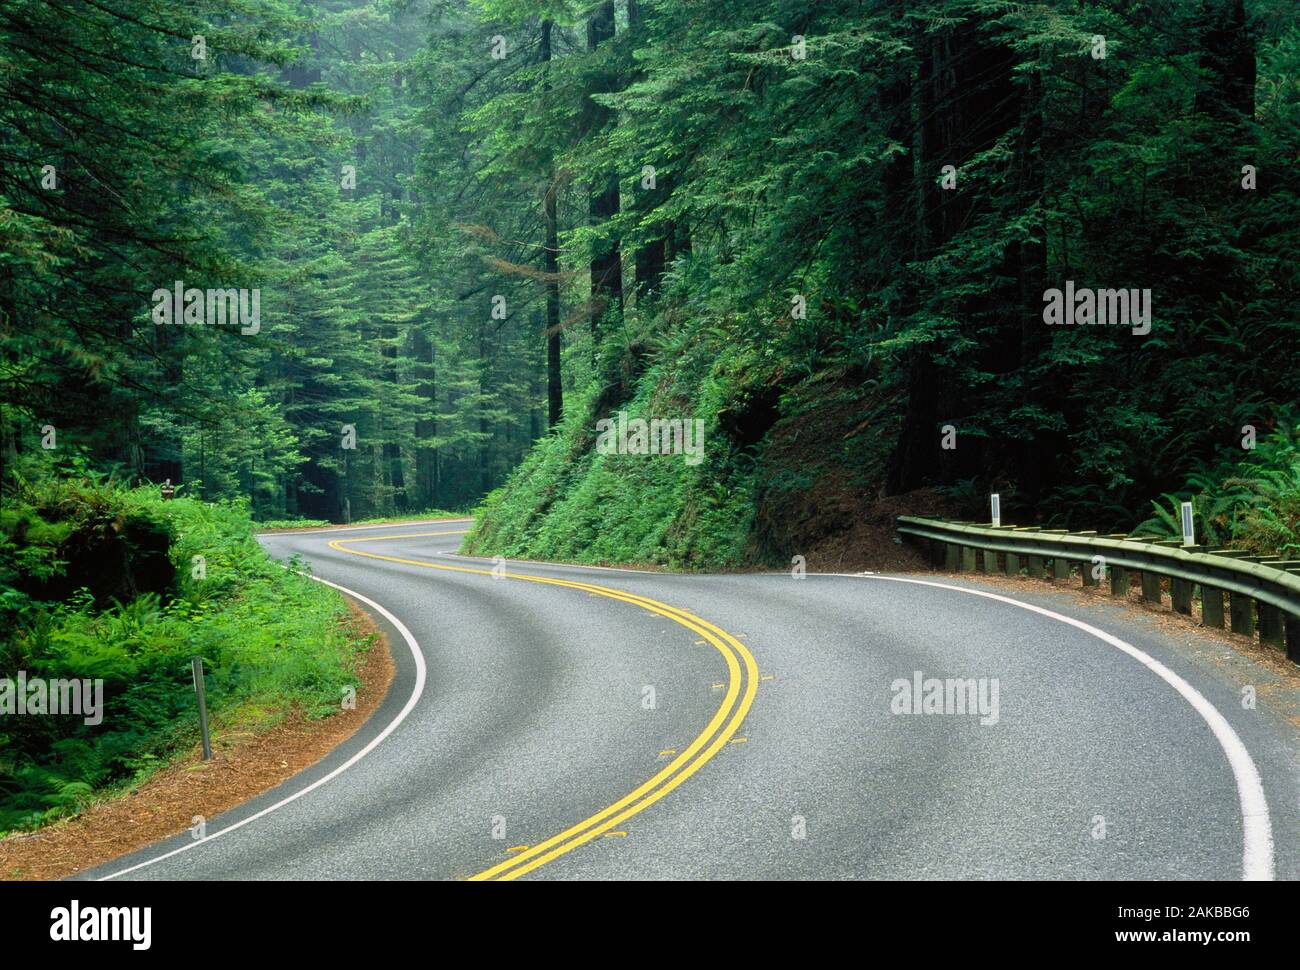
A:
245,762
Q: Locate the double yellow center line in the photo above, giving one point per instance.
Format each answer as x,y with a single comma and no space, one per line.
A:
742,684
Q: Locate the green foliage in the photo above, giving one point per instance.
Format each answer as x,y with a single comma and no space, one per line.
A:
810,177
769,173
268,638
569,503
229,170
1251,502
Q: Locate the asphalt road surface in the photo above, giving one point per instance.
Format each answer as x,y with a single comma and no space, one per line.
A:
561,722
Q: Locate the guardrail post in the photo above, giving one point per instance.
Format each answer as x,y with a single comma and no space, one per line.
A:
968,559
196,670
1212,606
1182,596
1119,582
1012,564
951,557
1060,568
1085,570
1270,625
990,561
1035,566
1241,610
1291,624
1150,586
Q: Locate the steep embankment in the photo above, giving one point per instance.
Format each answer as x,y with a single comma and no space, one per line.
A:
789,466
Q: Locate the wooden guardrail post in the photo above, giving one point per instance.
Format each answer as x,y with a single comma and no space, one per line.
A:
1085,567
1270,625
1060,568
968,559
1291,627
990,559
1119,581
1150,586
1211,606
1035,566
1012,564
1242,612
1183,591
951,557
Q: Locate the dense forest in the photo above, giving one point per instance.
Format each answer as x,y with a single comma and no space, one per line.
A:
475,228
701,284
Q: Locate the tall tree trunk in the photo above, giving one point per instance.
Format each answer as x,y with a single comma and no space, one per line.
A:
650,258
1227,62
607,260
551,266
1029,264
426,423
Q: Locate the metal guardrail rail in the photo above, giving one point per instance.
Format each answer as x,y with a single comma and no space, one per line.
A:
1262,592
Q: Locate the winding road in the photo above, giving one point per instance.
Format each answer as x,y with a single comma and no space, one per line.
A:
568,722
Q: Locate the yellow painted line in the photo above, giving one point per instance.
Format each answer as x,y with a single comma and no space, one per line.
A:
666,752
742,684
717,686
768,677
612,835
739,740
516,848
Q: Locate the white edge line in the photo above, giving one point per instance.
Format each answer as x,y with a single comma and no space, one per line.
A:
1257,830
374,743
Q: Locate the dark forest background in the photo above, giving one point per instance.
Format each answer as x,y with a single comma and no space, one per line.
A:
727,210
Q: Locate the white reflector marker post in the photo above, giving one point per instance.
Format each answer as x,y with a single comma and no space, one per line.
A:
995,501
1189,527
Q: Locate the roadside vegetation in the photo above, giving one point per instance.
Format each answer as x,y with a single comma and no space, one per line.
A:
1252,504
100,581
847,268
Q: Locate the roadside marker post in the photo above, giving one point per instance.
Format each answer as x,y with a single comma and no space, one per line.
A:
196,666
1189,527
995,501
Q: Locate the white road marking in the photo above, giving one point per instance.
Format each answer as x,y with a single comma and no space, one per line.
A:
1257,829
374,742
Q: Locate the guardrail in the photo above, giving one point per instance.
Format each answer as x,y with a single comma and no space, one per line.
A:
1263,592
